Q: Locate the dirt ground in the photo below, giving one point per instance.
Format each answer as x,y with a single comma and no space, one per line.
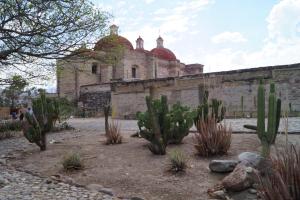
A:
130,169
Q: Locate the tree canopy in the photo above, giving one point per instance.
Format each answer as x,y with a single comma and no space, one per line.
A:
34,30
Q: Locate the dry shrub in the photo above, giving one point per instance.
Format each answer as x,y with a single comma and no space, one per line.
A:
72,162
212,138
284,181
178,161
113,135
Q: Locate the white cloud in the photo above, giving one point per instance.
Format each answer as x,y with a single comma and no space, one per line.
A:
149,1
232,37
281,46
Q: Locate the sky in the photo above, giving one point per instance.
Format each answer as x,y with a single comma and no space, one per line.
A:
221,34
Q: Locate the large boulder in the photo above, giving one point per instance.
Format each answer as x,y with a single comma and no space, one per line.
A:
250,159
222,166
240,179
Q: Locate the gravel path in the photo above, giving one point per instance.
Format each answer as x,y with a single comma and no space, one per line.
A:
97,124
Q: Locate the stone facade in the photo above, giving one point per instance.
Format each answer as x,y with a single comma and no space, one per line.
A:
114,59
237,89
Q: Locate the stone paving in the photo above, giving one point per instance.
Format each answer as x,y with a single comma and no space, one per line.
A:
97,124
17,185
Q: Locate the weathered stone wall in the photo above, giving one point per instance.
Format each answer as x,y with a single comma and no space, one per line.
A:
94,97
237,89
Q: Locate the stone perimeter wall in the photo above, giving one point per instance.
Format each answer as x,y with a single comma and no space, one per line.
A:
237,89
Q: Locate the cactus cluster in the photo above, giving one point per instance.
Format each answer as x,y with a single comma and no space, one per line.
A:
214,109
267,137
162,126
41,121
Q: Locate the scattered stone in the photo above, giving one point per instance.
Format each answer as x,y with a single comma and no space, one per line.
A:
252,191
3,161
240,179
250,159
219,194
108,191
222,166
136,198
94,187
3,181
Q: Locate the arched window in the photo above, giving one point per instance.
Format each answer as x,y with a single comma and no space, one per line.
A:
94,68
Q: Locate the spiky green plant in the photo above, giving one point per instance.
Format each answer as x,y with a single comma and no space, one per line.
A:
181,119
154,124
162,126
213,109
267,137
41,122
178,161
72,162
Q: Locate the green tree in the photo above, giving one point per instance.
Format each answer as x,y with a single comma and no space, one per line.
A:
13,91
34,30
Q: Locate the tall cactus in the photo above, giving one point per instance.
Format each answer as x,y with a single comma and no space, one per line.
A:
154,124
268,137
213,109
41,121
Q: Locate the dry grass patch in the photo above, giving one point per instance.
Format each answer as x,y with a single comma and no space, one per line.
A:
113,135
212,138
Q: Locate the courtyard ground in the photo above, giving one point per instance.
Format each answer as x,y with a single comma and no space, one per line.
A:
129,168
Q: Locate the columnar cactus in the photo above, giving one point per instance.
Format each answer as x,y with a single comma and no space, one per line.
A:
268,137
41,121
213,109
161,126
154,124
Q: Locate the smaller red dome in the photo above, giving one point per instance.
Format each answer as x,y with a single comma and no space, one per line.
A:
112,41
163,53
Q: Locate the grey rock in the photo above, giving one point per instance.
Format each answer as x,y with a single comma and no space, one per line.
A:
136,198
240,179
252,191
219,194
250,159
3,161
108,191
94,187
222,166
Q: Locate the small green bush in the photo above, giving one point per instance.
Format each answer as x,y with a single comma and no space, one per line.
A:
72,162
178,161
10,126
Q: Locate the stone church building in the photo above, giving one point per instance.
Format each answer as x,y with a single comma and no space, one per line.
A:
114,58
114,71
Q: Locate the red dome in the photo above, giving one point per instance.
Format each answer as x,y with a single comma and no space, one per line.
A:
112,41
163,53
